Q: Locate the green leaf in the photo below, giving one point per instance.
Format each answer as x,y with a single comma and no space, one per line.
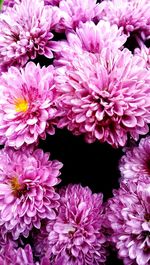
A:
1,4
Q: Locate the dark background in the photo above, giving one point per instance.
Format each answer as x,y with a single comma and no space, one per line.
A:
93,165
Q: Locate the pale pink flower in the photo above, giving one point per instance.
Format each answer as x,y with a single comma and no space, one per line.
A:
25,33
105,96
128,220
131,15
76,236
27,194
27,104
72,12
144,52
136,161
90,37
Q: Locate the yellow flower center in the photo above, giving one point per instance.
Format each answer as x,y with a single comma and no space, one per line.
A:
17,188
21,105
15,184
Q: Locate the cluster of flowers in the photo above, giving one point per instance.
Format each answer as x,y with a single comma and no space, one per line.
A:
94,86
128,212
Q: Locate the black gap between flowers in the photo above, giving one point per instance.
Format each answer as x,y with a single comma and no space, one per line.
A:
112,259
94,165
147,43
43,61
58,36
131,42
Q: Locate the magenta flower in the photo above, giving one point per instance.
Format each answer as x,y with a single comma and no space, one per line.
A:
76,236
132,15
27,105
27,192
13,256
144,52
128,216
90,37
72,12
25,33
104,96
96,37
136,161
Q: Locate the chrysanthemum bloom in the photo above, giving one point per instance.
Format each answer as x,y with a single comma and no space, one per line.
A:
72,12
128,216
27,194
25,32
22,256
136,161
76,236
104,96
27,104
144,52
90,37
132,15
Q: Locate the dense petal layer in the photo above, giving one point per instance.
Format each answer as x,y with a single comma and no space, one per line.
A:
27,105
76,236
27,192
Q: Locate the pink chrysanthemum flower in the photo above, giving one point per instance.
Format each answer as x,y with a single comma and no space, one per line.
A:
25,33
96,37
144,52
132,15
22,256
136,162
27,194
105,96
27,104
72,12
76,236
90,37
128,217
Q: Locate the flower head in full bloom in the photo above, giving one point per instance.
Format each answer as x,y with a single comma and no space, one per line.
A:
25,32
136,162
105,96
27,104
76,236
128,216
90,37
27,195
72,12
23,256
131,15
